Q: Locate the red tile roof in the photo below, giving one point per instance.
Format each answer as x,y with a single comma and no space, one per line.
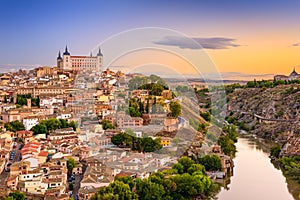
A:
43,153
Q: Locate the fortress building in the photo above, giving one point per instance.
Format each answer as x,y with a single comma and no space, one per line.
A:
76,63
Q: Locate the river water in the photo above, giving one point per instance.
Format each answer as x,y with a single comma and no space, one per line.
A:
254,176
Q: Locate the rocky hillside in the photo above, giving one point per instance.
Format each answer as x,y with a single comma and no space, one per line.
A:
272,113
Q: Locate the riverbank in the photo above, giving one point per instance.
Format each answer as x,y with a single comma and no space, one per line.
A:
254,176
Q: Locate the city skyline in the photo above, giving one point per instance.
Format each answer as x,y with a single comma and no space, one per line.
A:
245,37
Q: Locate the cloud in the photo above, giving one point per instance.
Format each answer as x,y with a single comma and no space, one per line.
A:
16,67
198,42
296,45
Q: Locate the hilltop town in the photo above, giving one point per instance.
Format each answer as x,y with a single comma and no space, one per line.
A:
71,129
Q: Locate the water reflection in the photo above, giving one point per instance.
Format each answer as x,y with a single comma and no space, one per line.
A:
255,177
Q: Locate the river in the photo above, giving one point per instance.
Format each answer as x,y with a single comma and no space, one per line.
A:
254,176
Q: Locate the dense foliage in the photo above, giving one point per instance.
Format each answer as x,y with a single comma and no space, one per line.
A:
146,144
175,109
17,195
71,163
106,124
136,107
291,167
184,181
138,81
22,100
206,116
52,124
14,126
275,151
227,141
153,88
211,162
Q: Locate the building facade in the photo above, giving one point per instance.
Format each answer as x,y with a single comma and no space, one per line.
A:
293,76
76,63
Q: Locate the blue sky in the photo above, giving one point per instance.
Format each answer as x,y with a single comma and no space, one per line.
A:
33,31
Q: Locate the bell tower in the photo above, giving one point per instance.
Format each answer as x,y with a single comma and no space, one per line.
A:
67,64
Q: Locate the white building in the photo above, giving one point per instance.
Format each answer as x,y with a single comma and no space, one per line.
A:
76,63
64,116
30,122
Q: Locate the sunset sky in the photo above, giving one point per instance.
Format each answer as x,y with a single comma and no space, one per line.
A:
250,37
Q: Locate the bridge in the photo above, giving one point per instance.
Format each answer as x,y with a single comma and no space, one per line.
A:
261,118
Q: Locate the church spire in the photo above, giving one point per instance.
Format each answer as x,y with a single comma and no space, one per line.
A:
59,56
99,53
66,51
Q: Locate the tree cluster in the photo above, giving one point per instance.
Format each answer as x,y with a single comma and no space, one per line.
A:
175,109
227,141
14,126
137,81
185,180
106,124
17,195
154,89
22,100
71,163
211,162
136,107
52,124
291,167
206,116
146,144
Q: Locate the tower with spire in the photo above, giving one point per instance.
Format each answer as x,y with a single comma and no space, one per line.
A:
59,61
294,75
99,60
67,62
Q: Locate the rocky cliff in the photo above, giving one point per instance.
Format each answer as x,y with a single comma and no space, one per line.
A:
271,113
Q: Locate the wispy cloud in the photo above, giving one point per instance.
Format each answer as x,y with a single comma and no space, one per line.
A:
296,45
198,42
16,67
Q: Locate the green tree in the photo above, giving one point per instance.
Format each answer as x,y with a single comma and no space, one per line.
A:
127,180
211,162
149,190
118,139
186,162
275,151
147,106
206,116
196,168
39,129
189,186
17,195
231,132
14,126
73,124
106,124
64,123
116,190
52,124
175,109
227,145
178,167
71,163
